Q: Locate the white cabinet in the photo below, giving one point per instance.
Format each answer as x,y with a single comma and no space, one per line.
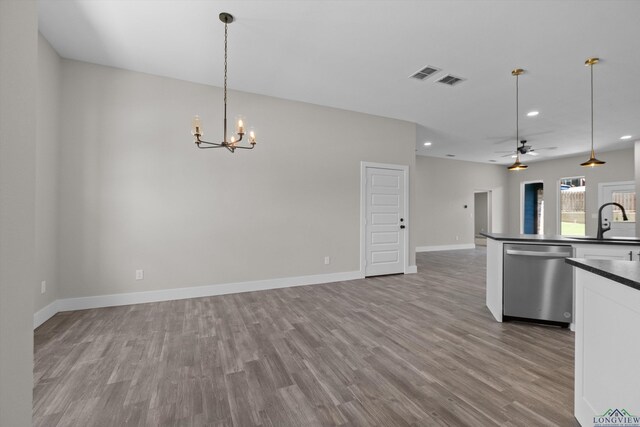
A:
620,252
607,347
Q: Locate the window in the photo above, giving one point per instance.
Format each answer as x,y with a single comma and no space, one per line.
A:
628,200
572,206
623,193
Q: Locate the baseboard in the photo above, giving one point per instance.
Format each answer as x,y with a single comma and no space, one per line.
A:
45,314
412,269
445,247
112,300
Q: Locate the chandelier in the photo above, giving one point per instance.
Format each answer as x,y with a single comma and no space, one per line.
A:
517,166
232,143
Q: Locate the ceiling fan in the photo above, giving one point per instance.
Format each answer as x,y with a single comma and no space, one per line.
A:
525,149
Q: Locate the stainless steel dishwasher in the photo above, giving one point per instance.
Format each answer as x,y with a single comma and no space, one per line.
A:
538,283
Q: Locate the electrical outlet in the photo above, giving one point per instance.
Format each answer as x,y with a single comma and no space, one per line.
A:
457,237
43,286
139,274
327,260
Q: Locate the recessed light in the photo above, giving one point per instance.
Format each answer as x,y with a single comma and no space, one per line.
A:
428,143
626,137
532,113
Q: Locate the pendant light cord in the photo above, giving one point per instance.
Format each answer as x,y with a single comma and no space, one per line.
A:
517,118
592,153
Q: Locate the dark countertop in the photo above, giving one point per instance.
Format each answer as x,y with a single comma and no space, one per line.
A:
624,272
553,238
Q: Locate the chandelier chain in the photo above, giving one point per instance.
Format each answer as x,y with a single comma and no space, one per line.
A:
225,84
225,63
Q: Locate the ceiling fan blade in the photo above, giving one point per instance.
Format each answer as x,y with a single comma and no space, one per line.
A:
525,136
502,141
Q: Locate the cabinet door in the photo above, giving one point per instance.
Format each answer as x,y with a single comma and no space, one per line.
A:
625,253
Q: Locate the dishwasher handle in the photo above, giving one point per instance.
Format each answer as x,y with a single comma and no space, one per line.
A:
539,254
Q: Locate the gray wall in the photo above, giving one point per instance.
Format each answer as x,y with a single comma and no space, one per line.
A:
481,213
18,65
135,193
619,167
47,146
443,187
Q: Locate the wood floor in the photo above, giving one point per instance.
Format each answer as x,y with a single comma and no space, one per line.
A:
407,350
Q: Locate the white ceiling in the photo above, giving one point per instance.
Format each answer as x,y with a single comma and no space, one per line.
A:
357,55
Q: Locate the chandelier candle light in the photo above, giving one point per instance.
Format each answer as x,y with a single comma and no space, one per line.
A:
196,126
590,62
517,166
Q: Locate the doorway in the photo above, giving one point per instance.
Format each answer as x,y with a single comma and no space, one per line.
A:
384,226
482,216
532,208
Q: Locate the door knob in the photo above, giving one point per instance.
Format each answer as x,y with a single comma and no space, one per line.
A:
402,226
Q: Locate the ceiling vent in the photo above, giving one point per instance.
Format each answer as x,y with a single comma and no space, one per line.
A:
425,73
450,80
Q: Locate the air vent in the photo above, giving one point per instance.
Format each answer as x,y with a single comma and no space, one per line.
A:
450,155
425,72
450,80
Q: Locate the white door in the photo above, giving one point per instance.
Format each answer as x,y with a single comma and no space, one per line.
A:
625,194
385,224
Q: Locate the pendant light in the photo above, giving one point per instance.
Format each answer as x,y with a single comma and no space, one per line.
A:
590,62
517,166
231,143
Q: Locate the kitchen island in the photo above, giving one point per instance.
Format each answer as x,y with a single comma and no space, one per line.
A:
581,247
607,343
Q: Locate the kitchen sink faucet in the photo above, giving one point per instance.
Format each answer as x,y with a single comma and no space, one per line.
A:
601,229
